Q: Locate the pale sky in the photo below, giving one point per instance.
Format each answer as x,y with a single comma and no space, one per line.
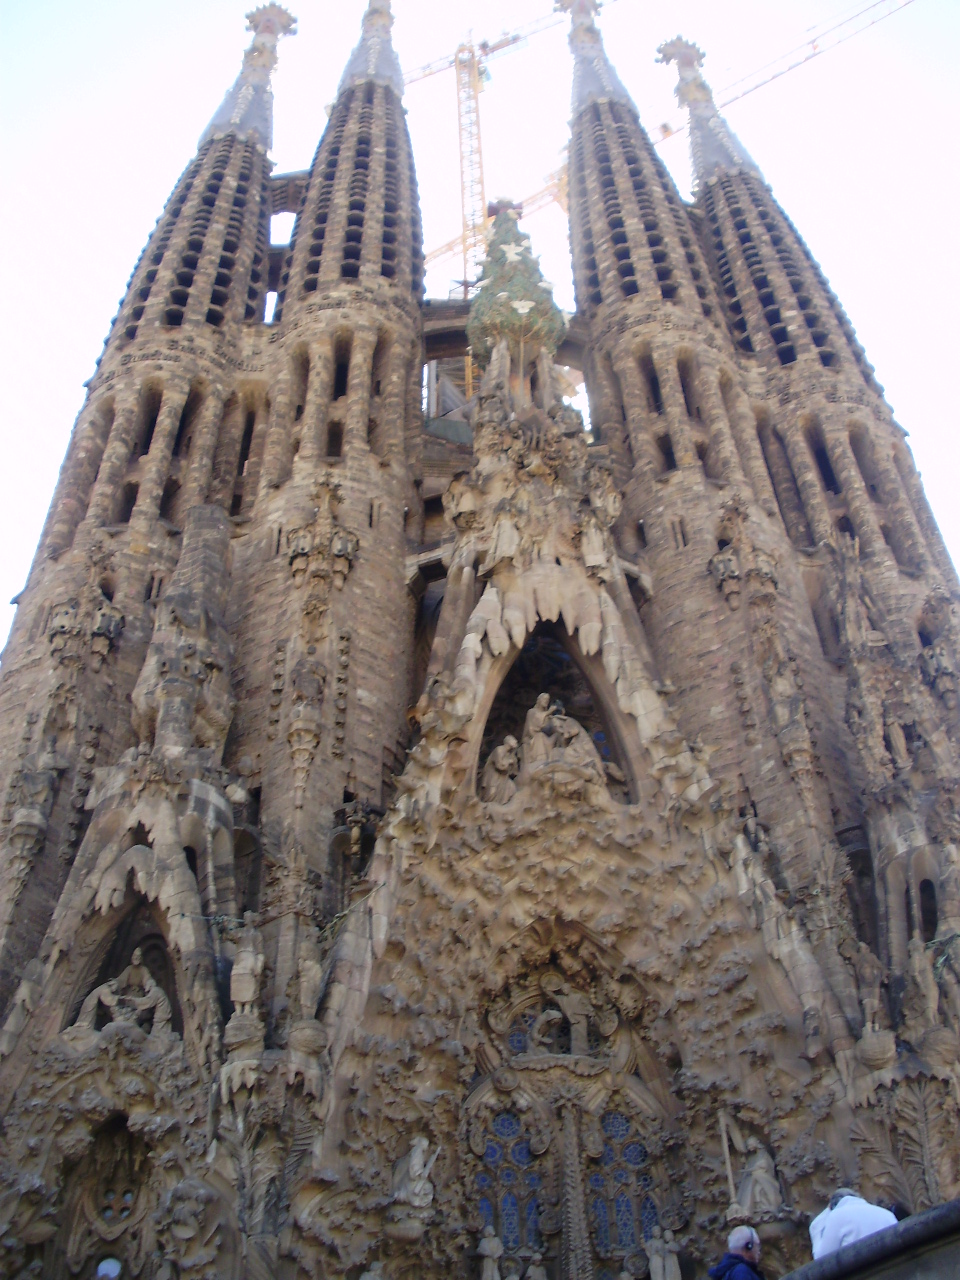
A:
103,103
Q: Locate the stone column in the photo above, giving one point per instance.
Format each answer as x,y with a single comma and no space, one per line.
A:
316,409
808,482
276,453
721,437
640,422
79,472
859,504
161,447
200,470
116,458
671,390
358,390
743,426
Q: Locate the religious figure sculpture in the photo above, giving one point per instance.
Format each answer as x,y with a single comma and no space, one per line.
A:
759,1192
870,975
413,1192
132,999
411,1175
662,1250
536,744
247,967
497,786
536,1270
490,1250
725,570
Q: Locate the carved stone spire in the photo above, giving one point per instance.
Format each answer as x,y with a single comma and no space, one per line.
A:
715,147
247,110
594,79
374,58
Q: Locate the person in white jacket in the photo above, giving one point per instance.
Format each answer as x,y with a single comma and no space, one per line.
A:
846,1219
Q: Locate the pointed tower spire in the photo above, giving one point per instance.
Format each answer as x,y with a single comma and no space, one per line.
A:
594,79
247,110
374,58
716,148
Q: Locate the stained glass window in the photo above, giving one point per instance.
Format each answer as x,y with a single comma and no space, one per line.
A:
622,1210
509,1185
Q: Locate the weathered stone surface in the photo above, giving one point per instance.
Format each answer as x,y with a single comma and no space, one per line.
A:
475,847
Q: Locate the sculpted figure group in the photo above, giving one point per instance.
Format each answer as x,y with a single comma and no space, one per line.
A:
553,743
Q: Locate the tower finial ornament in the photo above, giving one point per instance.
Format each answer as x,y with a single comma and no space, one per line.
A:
247,110
716,148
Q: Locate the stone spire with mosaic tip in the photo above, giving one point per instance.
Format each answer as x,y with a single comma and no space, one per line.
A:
515,304
247,109
375,59
594,78
716,148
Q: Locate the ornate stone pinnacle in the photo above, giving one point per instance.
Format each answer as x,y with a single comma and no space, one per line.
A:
715,147
271,20
248,107
682,52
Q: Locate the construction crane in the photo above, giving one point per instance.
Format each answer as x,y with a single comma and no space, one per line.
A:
554,192
470,64
470,60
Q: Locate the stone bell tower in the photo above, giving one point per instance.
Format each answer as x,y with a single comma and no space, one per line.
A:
475,846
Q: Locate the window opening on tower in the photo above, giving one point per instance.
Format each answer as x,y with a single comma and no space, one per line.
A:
246,441
181,445
667,456
652,383
150,402
818,447
341,375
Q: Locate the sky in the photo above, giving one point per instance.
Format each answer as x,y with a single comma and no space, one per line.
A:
102,105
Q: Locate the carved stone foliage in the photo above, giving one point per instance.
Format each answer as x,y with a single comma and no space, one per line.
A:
907,1144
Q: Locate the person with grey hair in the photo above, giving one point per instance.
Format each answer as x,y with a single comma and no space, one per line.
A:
742,1259
846,1219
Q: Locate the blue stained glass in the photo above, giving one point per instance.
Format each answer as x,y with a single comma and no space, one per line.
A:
486,1211
510,1221
649,1218
517,1040
533,1224
609,1155
601,1225
533,1180
484,1181
597,1182
494,1152
646,1181
635,1154
621,1175
606,1275
506,1125
626,1231
508,1177
520,1153
615,1125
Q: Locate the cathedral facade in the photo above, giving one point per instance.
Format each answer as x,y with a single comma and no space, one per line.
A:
461,843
